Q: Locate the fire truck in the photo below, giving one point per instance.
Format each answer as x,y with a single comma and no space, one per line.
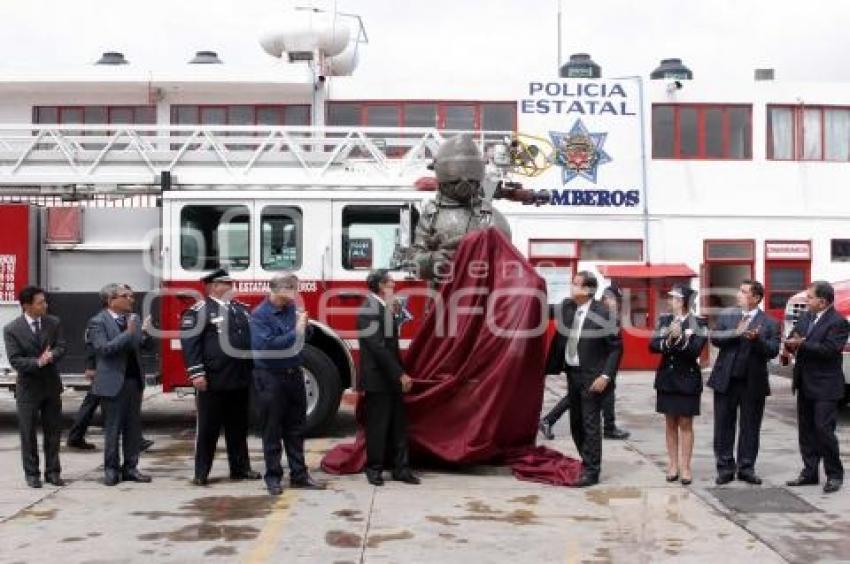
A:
797,305
159,207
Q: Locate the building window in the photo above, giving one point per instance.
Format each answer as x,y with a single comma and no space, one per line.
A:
730,250
808,133
467,116
280,238
370,236
840,250
240,114
611,250
214,237
701,131
95,115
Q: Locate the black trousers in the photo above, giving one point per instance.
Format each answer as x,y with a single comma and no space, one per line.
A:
122,424
585,418
727,408
84,418
217,409
386,432
46,408
282,399
608,416
816,420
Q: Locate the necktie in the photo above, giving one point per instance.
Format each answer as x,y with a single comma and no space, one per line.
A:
811,326
122,322
572,342
36,326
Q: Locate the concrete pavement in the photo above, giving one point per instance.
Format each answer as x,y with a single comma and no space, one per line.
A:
482,514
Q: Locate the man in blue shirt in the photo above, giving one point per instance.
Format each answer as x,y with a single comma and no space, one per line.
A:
278,332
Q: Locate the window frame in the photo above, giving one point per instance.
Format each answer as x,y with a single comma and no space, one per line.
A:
798,134
299,233
598,260
109,108
702,109
199,108
344,231
247,270
441,105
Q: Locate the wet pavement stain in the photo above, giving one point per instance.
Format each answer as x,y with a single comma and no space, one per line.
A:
528,500
516,517
604,496
343,539
441,520
479,507
586,519
351,515
94,535
374,541
217,509
221,551
204,532
73,539
40,514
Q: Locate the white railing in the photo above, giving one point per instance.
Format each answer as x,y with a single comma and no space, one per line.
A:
238,155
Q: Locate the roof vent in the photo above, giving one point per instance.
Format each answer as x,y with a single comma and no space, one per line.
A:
112,58
672,69
765,74
205,58
580,65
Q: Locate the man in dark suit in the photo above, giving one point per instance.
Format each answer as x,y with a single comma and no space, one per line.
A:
216,344
817,342
383,379
588,348
116,336
747,339
34,344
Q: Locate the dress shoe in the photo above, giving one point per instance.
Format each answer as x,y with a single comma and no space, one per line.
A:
586,480
197,481
274,488
375,478
686,481
111,478
135,476
55,480
407,477
245,475
832,485
802,480
546,430
145,445
34,481
616,433
724,478
672,477
750,478
81,445
307,483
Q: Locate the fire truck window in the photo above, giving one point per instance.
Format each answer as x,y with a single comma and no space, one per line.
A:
214,237
370,237
280,238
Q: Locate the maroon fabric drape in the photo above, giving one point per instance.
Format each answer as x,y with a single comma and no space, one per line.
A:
478,386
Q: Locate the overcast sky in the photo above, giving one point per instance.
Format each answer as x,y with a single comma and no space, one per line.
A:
473,40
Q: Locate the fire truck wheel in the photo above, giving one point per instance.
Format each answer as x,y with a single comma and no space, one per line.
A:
324,389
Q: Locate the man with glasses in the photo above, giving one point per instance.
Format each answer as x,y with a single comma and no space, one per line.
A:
116,337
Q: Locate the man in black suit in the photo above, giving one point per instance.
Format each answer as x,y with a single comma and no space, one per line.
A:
383,379
747,339
34,344
216,344
588,348
116,336
817,342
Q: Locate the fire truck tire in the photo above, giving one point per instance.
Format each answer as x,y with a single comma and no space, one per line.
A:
325,385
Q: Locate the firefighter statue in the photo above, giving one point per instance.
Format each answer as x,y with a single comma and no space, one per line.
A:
462,204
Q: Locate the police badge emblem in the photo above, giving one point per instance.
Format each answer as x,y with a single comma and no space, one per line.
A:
579,152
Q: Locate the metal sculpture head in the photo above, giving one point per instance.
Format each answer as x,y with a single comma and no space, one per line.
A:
459,167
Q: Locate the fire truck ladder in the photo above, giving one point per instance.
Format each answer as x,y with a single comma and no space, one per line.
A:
134,156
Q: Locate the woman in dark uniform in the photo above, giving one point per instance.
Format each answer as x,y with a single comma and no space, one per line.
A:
679,338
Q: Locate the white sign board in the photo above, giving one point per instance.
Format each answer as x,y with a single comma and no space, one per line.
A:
588,139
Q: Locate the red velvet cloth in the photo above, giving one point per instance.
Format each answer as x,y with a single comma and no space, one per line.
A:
477,394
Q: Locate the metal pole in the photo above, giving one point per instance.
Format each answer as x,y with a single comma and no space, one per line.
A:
559,36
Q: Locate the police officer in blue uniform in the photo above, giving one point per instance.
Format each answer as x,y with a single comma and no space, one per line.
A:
216,343
278,333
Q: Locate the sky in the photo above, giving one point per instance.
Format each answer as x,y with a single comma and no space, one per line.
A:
474,40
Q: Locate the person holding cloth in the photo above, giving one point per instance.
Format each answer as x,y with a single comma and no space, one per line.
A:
278,333
383,379
680,338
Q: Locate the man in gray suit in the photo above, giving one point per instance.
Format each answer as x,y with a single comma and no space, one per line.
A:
34,344
116,338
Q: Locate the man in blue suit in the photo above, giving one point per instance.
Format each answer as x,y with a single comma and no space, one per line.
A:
116,336
817,342
747,339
